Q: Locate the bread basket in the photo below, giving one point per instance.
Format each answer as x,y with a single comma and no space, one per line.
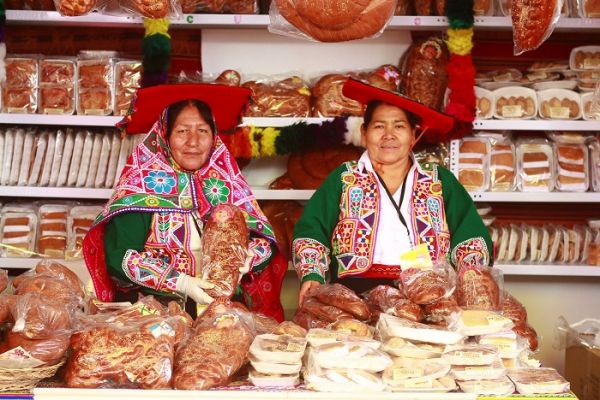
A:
25,379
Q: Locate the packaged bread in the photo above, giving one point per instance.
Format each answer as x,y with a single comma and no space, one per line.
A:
339,380
289,97
100,177
352,355
495,370
320,336
80,139
57,100
535,165
523,247
17,155
9,141
52,236
278,348
79,222
539,76
470,354
60,175
17,233
585,233
427,286
544,244
505,75
588,8
559,104
585,58
480,322
514,102
19,100
499,387
502,243
57,71
506,342
424,72
38,351
473,167
73,8
400,347
273,368
590,106
572,167
128,77
549,66
484,102
279,380
514,238
97,101
89,166
27,157
113,159
406,371
338,295
533,23
38,317
538,381
479,288
483,7
222,326
21,72
390,326
48,158
38,155
1,154
594,149
437,313
94,73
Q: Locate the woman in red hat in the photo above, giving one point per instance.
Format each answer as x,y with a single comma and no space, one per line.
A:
149,233
370,213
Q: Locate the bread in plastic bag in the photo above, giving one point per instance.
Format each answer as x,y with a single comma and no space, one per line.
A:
39,317
351,355
340,296
500,387
153,9
479,288
513,309
17,233
307,320
221,6
282,349
45,351
18,150
438,312
392,301
427,286
508,343
224,250
538,381
279,98
327,21
533,22
390,326
79,222
290,328
406,371
3,280
479,322
400,347
474,163
200,363
527,332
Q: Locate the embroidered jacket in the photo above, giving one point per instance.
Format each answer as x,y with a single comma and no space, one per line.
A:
339,226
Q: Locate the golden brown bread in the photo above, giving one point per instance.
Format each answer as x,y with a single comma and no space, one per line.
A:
38,317
308,321
337,20
290,328
423,287
340,296
476,289
73,8
286,98
323,312
309,169
20,72
50,350
513,309
224,245
437,312
531,20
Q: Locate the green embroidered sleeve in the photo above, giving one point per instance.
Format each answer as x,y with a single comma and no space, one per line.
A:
127,231
312,232
470,241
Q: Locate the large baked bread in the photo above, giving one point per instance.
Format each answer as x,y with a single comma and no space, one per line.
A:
337,20
224,245
286,98
215,351
340,296
308,170
477,289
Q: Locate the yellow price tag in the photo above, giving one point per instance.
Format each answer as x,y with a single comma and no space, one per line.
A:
417,257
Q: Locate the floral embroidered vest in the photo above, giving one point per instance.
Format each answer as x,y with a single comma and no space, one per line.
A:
354,236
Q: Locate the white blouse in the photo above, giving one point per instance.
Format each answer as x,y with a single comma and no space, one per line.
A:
392,237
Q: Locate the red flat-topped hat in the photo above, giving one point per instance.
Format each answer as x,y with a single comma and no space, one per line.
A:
227,104
434,124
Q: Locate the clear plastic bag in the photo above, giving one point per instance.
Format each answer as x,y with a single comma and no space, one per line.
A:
528,35
17,233
330,22
390,326
470,354
351,355
502,162
79,222
479,288
344,299
535,165
52,235
290,328
406,372
428,285
128,76
153,9
538,380
29,141
224,250
572,173
513,309
17,351
3,280
288,97
39,317
473,163
199,362
479,322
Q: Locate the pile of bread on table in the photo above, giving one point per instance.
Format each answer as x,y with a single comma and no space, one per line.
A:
435,330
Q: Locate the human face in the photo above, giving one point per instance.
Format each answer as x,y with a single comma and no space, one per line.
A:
389,137
191,139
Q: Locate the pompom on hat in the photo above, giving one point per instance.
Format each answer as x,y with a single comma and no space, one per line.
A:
435,126
227,104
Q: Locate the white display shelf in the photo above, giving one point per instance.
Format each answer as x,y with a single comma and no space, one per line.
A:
229,21
104,194
536,197
63,120
262,193
96,394
549,270
535,125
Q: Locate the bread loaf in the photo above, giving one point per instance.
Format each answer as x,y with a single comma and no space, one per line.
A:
307,320
423,287
38,317
424,72
338,20
224,246
58,72
513,309
201,363
73,8
437,312
340,296
323,312
286,98
531,20
477,289
50,351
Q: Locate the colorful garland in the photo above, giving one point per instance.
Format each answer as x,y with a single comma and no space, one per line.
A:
156,50
461,73
2,44
254,142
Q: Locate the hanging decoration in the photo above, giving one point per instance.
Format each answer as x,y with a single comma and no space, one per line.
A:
156,52
461,72
256,142
2,44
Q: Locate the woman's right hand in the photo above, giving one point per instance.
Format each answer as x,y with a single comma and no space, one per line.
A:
306,286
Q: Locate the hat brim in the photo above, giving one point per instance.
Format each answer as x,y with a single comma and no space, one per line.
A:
436,124
227,104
